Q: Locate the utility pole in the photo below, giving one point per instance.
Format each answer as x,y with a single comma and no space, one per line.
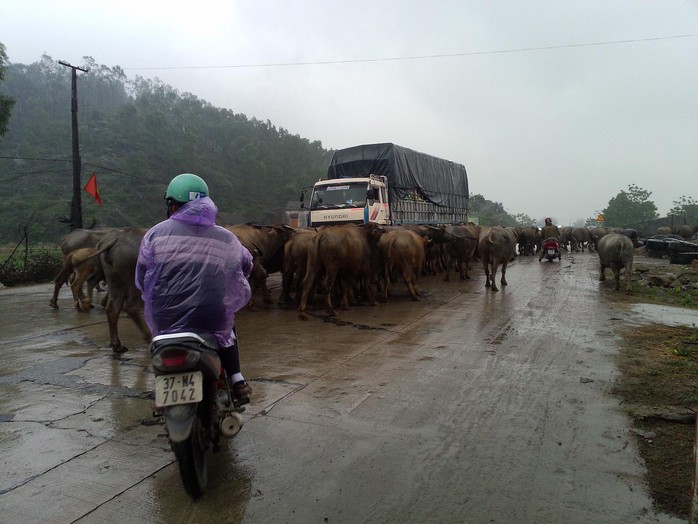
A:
76,204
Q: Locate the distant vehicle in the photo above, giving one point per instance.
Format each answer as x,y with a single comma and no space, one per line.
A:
389,184
551,249
680,251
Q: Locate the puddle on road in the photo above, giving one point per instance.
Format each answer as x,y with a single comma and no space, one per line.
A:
667,315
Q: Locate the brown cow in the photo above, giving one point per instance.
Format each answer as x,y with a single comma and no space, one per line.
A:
296,253
528,239
266,243
86,268
342,252
580,238
403,250
118,253
438,237
463,249
596,234
565,240
617,252
76,239
496,247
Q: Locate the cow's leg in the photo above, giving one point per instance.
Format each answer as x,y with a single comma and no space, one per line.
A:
76,290
493,275
287,282
330,278
266,294
504,273
486,266
346,292
113,310
134,309
311,274
79,299
462,267
369,292
602,275
298,284
616,277
308,283
60,279
448,268
409,277
628,274
93,283
386,281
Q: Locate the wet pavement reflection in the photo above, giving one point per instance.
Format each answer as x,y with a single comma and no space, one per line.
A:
467,405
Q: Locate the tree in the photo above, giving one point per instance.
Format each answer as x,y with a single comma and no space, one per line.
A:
591,222
6,102
686,208
489,213
630,208
524,220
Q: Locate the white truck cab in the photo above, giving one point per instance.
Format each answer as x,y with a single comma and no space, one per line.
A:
350,200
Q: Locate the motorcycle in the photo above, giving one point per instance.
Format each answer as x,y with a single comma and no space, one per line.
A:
551,249
193,396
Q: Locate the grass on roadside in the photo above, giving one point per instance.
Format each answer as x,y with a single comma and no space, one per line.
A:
37,265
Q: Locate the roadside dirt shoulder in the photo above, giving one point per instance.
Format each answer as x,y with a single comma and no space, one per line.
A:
659,382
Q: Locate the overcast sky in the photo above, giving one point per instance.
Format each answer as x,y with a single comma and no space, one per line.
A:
553,106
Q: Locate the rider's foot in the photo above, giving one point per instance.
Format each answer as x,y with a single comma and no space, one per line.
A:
241,393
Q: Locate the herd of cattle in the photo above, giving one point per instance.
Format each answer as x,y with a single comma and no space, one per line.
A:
345,263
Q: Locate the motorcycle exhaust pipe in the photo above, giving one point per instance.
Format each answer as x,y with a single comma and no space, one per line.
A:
231,425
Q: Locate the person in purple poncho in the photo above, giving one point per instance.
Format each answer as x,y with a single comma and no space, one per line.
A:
192,274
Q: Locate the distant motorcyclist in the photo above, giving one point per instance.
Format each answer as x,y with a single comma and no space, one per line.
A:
549,230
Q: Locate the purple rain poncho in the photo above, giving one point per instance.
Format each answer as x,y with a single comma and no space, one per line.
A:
192,274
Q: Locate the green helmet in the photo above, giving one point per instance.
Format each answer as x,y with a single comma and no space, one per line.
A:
186,187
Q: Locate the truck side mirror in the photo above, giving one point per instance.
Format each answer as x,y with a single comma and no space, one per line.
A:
371,195
302,198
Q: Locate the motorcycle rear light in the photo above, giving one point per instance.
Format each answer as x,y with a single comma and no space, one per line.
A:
175,358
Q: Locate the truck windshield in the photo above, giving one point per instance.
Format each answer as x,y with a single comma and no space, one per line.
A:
339,196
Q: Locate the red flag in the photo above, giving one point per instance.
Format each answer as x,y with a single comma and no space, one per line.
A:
91,188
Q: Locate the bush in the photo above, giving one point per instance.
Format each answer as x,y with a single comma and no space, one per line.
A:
42,265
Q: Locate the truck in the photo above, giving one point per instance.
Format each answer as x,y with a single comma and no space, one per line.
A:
390,185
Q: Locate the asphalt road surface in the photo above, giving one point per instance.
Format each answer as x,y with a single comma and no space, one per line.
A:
466,406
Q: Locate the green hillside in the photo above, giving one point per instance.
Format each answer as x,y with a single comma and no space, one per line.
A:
136,135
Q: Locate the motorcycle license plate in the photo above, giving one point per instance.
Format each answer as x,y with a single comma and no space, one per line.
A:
181,388
551,251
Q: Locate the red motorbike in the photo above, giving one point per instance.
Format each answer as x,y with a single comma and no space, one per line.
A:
192,395
551,249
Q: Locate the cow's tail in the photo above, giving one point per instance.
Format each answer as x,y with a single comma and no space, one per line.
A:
102,249
82,261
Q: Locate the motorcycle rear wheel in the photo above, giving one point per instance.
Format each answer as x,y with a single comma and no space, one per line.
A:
192,459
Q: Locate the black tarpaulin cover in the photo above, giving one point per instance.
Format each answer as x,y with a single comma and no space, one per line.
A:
437,180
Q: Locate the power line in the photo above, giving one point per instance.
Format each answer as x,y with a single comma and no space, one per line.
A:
137,177
37,159
421,57
30,173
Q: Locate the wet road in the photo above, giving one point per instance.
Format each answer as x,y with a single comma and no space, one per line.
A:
467,406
